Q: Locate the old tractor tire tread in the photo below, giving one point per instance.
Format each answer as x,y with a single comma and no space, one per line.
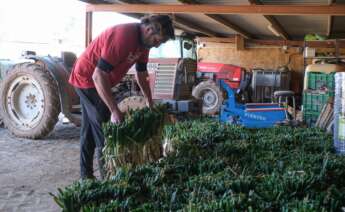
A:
198,93
51,100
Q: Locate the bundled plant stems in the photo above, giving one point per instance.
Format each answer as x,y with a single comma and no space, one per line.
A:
217,167
137,140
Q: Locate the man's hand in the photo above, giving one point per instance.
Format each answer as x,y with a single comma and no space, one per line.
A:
149,103
116,117
103,87
143,82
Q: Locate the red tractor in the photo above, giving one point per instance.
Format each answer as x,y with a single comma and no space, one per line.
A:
209,90
34,92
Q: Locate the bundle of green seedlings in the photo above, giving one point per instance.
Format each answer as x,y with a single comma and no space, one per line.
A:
137,140
217,167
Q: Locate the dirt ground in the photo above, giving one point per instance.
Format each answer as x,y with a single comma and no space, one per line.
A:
31,169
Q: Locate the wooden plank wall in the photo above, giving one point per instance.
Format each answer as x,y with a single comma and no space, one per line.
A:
254,56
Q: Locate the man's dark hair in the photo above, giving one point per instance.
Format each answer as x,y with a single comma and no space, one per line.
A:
162,23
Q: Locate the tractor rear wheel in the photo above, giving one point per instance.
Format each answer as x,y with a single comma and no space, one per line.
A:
211,96
29,101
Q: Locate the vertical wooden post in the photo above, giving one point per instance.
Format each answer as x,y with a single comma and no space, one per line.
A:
88,28
239,42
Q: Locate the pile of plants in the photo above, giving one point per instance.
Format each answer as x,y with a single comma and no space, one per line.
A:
136,140
217,167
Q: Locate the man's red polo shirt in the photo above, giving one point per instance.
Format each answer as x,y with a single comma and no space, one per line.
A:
119,46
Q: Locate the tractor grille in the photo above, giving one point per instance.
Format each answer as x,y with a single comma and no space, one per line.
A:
165,80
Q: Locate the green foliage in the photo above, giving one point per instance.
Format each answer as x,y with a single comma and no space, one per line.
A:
136,140
219,167
138,126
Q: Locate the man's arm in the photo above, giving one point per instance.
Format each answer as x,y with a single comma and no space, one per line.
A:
144,84
103,87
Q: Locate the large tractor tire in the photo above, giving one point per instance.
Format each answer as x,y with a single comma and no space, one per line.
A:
211,96
29,101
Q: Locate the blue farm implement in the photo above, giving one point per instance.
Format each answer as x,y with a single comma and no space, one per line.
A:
217,79
251,115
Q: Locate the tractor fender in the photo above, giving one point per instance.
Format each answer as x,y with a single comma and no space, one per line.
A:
67,94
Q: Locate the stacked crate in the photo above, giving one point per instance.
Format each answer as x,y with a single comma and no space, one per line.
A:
319,88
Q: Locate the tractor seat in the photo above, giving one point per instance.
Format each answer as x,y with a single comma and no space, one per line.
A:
68,59
285,95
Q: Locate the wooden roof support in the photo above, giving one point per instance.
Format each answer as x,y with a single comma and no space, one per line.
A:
239,43
88,28
95,1
185,24
324,44
129,1
330,20
230,25
277,26
273,21
195,27
334,9
221,20
217,39
329,26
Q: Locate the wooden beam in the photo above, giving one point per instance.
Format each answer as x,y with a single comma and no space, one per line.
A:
198,28
88,28
239,42
95,1
254,41
321,44
253,2
273,21
185,24
334,9
221,20
230,25
187,29
329,26
217,39
129,1
277,26
330,20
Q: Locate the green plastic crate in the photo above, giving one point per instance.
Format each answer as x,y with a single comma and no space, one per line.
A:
321,81
310,118
313,101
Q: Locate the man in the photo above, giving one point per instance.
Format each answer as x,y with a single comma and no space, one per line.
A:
102,65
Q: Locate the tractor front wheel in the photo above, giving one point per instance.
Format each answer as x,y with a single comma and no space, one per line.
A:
211,96
29,101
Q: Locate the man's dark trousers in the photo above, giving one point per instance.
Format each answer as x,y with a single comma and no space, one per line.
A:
94,113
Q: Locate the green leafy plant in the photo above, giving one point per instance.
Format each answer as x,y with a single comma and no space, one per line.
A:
217,167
